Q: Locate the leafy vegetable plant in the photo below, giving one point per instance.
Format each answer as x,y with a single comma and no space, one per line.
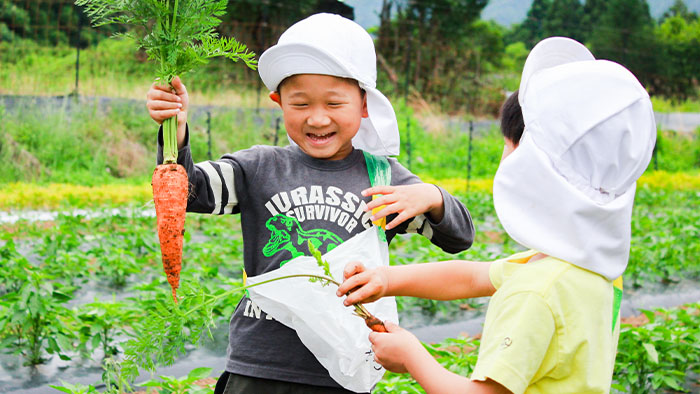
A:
34,319
184,385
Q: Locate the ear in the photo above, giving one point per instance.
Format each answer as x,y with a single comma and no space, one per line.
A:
365,112
274,96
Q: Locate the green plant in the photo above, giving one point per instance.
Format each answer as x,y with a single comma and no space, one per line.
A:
101,323
16,268
35,319
75,388
456,354
658,355
184,385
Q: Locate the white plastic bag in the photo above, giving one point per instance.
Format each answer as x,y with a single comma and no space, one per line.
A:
330,330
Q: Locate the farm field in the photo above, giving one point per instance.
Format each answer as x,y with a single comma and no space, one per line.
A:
85,306
82,290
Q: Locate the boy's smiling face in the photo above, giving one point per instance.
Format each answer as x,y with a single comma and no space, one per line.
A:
322,113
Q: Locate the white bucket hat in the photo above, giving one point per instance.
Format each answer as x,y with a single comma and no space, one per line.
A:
329,44
568,189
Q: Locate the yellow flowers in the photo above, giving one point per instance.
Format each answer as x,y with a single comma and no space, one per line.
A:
53,196
676,181
459,186
60,195
671,181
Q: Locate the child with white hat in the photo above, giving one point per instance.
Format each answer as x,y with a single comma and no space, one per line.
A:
322,73
565,190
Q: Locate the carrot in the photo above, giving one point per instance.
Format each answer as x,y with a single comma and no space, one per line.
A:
170,188
375,324
170,196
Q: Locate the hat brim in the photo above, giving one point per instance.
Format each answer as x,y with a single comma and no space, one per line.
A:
284,60
551,52
540,210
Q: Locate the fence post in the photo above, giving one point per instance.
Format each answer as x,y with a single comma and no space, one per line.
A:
77,56
469,154
405,98
209,134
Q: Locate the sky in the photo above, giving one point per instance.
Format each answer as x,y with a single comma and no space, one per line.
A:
505,12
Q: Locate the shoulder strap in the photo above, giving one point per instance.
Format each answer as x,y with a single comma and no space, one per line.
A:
379,172
378,169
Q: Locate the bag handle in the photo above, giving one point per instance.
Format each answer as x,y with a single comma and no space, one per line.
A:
379,172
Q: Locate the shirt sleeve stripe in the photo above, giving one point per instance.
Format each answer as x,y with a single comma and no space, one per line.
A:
227,172
215,183
420,225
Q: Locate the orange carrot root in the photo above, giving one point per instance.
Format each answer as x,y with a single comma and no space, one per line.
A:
375,324
170,187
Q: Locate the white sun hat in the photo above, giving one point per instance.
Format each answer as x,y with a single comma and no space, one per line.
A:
568,189
330,44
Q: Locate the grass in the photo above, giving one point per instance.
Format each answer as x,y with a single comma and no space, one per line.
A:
665,105
90,145
113,69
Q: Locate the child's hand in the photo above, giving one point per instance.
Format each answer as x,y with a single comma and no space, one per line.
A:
364,286
394,348
407,201
164,102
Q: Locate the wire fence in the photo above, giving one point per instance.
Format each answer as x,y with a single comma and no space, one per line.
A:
408,66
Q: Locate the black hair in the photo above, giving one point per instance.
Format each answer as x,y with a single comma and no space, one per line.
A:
512,124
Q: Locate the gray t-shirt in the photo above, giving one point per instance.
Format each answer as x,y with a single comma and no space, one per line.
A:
286,197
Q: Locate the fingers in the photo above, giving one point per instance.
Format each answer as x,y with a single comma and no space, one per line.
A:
160,110
366,293
374,337
162,93
378,190
400,218
391,327
352,268
178,86
162,103
351,284
403,214
385,199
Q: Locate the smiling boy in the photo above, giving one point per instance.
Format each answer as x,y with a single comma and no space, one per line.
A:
322,73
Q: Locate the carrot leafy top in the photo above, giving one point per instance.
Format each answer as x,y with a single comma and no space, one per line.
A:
179,35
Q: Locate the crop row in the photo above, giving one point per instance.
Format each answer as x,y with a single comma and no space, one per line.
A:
100,277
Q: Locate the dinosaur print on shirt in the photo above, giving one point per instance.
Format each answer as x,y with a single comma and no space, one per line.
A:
287,234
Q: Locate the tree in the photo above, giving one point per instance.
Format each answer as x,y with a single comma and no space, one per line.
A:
441,48
679,41
625,35
531,30
592,12
679,9
564,19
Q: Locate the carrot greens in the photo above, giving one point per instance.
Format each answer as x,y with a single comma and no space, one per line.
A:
179,35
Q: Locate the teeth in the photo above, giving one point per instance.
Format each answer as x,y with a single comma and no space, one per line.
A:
320,135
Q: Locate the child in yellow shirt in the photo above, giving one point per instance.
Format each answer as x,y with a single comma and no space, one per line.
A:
565,190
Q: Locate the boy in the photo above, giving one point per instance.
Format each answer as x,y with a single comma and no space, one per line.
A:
565,190
322,74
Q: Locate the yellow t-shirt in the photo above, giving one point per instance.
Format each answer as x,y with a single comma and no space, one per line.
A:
550,328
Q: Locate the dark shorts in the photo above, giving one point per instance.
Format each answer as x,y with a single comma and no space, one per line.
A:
230,383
